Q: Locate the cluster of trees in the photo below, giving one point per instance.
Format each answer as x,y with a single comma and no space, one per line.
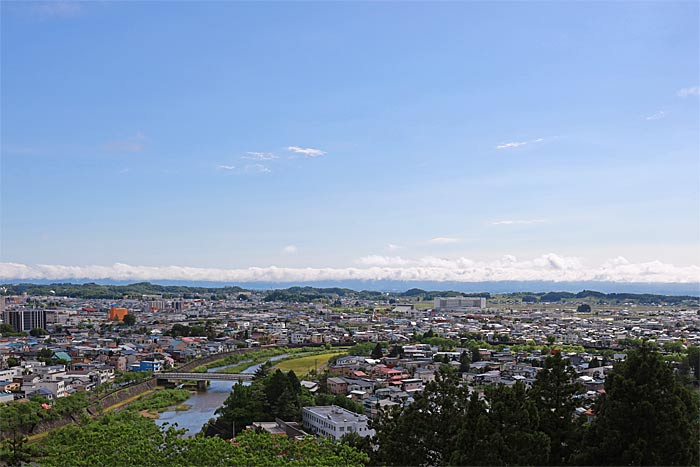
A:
365,349
648,416
310,294
127,438
195,330
270,396
18,419
8,331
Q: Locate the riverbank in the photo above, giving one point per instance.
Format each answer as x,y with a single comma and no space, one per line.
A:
304,364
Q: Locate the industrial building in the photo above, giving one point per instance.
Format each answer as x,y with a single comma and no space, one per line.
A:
459,303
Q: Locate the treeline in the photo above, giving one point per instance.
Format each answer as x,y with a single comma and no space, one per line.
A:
647,416
310,294
551,297
426,295
99,291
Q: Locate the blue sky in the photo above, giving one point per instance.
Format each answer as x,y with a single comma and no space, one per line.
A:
536,139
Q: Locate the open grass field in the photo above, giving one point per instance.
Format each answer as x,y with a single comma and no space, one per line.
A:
303,365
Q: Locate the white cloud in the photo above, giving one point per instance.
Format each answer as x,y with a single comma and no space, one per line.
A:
656,116
248,169
289,249
518,222
308,152
393,247
445,240
136,143
689,91
260,156
549,267
517,144
511,145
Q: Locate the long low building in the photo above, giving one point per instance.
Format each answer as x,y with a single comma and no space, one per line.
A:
459,303
332,421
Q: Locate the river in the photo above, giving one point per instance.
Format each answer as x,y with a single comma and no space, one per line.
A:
204,404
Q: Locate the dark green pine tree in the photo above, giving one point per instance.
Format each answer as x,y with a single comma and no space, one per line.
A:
377,352
647,417
553,394
424,433
282,396
503,429
464,362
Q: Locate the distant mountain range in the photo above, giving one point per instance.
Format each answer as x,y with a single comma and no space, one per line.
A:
692,289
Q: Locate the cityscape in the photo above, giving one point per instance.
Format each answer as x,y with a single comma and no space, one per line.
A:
365,234
175,353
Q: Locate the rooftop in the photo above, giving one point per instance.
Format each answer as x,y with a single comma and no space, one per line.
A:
335,413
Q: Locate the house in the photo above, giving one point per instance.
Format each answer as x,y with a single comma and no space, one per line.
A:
412,384
8,386
337,386
57,388
312,386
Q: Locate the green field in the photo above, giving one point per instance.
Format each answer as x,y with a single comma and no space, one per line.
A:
303,365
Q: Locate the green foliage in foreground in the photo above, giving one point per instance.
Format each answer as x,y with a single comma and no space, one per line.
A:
23,416
649,416
126,438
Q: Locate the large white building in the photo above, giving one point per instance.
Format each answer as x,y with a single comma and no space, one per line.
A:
459,303
332,421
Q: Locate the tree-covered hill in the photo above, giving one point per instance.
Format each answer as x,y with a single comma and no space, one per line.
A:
309,294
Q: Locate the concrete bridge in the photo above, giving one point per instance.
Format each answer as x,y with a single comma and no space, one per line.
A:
202,378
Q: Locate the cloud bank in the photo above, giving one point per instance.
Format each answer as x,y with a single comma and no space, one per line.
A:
549,267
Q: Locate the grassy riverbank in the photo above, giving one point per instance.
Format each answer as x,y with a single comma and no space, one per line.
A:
160,400
304,364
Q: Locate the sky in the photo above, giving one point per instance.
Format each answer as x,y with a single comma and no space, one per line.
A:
466,141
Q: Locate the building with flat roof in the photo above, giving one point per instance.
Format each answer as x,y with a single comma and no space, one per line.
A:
280,427
332,421
459,303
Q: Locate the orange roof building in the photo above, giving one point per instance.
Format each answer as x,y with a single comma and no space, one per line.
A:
116,313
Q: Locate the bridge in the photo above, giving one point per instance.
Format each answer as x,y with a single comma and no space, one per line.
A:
202,378
207,376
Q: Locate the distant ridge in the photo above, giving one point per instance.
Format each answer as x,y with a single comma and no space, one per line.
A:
691,289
